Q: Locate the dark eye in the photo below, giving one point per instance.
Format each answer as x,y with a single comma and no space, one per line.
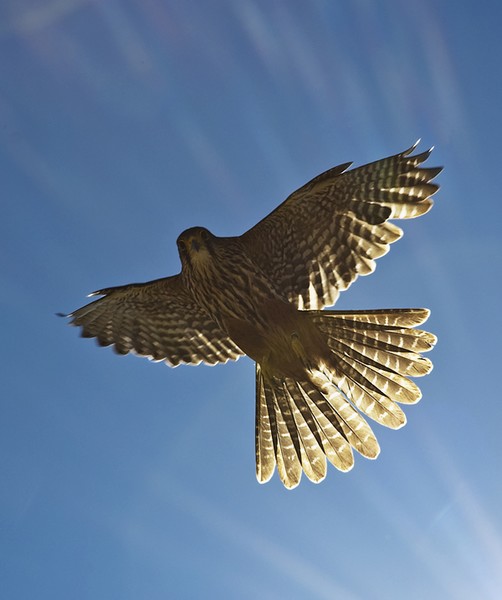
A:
204,235
182,247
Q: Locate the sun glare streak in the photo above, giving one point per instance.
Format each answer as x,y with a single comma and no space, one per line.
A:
400,523
208,158
488,540
25,155
449,305
451,117
126,36
459,550
423,48
286,53
261,36
340,86
276,557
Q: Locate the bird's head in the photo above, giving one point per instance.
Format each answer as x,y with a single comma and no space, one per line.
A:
194,245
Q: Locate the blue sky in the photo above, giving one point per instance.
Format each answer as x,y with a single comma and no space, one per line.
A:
123,123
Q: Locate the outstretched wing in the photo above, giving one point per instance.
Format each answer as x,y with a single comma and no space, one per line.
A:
332,229
157,319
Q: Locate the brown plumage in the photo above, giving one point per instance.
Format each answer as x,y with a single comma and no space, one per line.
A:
317,372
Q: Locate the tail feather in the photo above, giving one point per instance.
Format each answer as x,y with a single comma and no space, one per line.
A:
334,442
302,422
284,449
397,339
288,455
354,381
297,428
297,442
393,339
384,380
354,426
266,437
312,457
387,356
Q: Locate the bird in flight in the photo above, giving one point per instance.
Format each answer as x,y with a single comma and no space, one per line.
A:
319,373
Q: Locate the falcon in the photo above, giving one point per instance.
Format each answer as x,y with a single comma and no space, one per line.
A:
319,373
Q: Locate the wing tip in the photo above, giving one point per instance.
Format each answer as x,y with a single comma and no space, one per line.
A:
422,156
412,148
102,292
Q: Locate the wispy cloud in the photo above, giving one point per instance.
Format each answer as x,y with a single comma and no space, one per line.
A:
28,19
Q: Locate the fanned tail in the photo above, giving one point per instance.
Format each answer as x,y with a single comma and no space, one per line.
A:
301,423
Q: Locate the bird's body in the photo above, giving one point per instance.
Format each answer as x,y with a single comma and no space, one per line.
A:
260,320
221,263
260,294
